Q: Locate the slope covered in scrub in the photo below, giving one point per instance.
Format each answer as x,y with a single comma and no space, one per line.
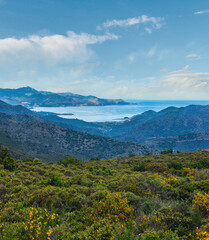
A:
151,197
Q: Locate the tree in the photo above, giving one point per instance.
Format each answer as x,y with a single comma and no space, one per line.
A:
6,159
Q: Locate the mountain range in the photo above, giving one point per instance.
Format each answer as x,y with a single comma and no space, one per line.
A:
183,129
25,130
30,97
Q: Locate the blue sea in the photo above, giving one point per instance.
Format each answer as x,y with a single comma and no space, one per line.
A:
116,112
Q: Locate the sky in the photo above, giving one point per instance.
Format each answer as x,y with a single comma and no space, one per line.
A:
130,49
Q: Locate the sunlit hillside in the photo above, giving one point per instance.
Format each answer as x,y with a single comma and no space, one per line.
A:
162,196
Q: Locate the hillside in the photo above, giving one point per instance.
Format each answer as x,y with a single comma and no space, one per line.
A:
183,129
179,128
149,125
184,143
139,198
34,136
170,122
18,109
30,97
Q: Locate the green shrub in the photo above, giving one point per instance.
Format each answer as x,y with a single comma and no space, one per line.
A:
68,161
150,234
6,159
141,167
156,167
54,180
175,165
201,164
175,221
167,151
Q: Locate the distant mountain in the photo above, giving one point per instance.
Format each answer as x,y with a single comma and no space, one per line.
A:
184,143
32,134
106,129
30,97
169,122
170,128
9,109
184,129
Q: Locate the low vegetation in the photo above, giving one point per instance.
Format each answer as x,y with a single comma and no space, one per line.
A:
153,197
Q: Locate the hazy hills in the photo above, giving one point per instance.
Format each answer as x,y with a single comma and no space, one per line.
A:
170,122
30,97
178,128
34,135
184,129
184,143
9,109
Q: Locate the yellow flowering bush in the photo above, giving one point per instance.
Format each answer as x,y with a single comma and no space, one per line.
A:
202,235
129,184
114,208
156,167
1,227
190,172
154,175
39,224
143,222
202,201
170,179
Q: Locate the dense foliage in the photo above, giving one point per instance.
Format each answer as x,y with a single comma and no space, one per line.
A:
138,198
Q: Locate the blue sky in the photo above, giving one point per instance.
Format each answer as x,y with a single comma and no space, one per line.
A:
129,49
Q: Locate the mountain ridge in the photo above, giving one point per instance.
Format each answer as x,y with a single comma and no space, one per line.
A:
158,130
33,134
30,97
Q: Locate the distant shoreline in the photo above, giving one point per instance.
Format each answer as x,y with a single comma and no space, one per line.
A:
114,113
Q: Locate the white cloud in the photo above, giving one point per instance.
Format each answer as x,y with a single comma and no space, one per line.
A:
187,80
202,12
194,56
179,84
156,22
50,49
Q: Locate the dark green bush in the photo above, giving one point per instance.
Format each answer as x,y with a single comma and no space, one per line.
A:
6,159
175,165
55,180
141,167
156,167
68,161
201,164
167,151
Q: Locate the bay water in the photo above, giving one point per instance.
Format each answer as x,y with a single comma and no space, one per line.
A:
116,112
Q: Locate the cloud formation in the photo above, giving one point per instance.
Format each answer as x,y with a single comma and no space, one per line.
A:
201,12
187,80
51,49
156,22
194,56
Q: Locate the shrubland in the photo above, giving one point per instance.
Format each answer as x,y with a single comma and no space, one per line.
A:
152,197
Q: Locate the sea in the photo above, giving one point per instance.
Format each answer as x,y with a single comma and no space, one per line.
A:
112,113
